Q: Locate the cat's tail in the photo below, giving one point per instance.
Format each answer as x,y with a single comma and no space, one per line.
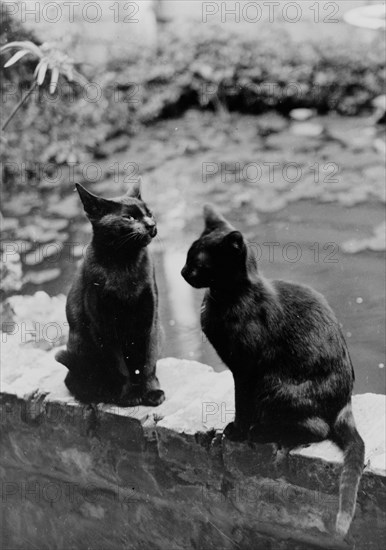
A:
61,356
346,436
71,361
64,357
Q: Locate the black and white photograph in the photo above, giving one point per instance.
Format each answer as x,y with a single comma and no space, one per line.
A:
192,260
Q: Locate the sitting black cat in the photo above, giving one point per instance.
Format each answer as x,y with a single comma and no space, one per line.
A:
112,307
291,367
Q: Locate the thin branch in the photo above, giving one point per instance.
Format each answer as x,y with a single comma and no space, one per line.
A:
23,99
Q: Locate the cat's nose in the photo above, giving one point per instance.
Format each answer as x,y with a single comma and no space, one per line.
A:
151,226
187,275
149,222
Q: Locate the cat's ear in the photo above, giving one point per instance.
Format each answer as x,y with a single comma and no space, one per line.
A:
213,219
136,190
94,206
234,241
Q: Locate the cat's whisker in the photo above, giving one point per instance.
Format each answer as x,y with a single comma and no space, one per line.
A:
160,242
125,239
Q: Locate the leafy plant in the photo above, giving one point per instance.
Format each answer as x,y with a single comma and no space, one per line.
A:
50,58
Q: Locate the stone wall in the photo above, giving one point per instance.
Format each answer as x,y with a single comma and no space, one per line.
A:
76,477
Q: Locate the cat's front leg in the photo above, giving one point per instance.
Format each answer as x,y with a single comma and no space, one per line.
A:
147,392
153,396
238,429
141,387
152,393
235,432
256,434
130,395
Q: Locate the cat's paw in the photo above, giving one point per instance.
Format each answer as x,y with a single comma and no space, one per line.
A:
234,433
129,401
129,397
255,434
153,398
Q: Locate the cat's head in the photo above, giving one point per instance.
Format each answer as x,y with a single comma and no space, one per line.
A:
219,257
122,222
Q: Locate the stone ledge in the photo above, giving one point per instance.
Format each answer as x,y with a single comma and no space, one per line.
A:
166,460
109,477
198,400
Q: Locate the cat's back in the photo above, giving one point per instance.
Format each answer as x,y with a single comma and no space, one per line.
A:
303,302
272,319
310,330
272,302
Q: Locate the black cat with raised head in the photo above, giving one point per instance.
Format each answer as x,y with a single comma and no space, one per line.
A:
282,342
112,307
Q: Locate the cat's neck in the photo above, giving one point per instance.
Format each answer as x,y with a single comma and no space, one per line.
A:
110,256
239,283
235,290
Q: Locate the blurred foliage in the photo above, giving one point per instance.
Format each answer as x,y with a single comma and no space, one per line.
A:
63,128
206,68
269,71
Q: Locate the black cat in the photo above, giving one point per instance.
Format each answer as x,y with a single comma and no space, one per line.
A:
112,307
291,367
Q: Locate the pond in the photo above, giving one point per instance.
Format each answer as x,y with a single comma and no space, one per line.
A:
307,195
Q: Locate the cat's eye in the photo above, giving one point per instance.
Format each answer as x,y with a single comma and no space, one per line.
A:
130,218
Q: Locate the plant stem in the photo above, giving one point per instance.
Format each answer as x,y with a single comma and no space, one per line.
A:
23,99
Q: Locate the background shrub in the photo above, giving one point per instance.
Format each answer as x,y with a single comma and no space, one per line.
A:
205,68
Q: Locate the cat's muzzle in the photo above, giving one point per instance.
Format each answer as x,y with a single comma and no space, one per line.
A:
153,231
191,277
